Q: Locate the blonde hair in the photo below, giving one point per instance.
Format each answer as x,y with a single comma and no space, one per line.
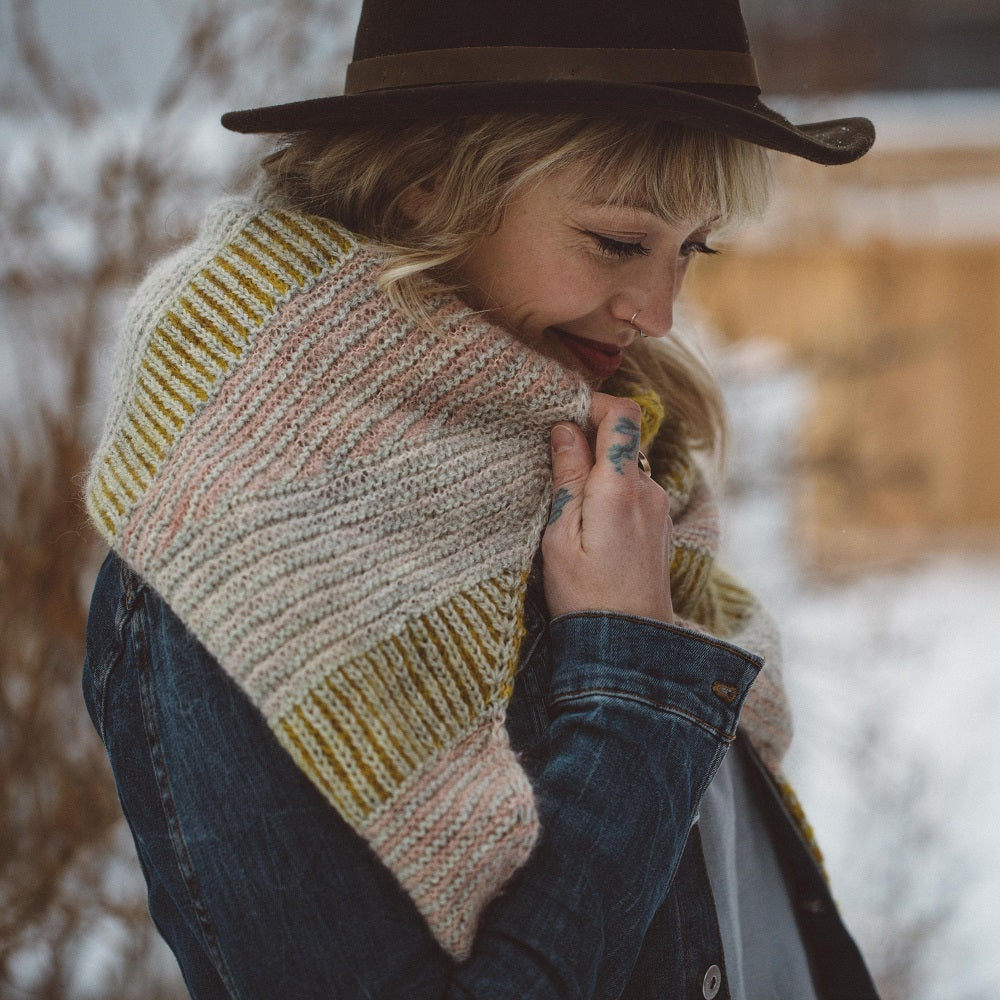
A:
470,169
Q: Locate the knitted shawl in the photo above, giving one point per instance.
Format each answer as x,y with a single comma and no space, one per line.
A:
343,507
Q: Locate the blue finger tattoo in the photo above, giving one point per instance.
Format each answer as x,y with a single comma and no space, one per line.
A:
620,455
562,497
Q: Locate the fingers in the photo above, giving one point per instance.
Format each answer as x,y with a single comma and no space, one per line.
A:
601,404
607,543
575,469
571,465
617,447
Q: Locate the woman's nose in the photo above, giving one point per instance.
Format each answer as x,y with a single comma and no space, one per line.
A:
649,305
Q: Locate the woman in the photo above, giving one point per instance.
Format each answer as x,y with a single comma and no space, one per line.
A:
416,674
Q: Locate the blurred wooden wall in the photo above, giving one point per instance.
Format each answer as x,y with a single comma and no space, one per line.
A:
900,450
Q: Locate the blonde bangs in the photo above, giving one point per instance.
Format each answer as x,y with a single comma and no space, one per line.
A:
680,174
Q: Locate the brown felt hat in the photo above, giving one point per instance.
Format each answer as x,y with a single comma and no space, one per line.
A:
683,61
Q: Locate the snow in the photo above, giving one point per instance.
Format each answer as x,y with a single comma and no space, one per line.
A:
892,678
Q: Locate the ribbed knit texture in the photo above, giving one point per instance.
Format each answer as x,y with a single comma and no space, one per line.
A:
343,508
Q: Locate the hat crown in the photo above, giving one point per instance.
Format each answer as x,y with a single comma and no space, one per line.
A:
392,27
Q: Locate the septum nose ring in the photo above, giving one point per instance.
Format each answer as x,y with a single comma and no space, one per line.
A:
631,322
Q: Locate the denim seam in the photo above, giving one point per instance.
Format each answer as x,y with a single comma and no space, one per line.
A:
185,865
100,672
101,684
666,709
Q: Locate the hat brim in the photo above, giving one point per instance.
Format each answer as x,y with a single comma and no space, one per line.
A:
837,141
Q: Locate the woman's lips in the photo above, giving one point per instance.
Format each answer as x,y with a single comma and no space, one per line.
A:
602,359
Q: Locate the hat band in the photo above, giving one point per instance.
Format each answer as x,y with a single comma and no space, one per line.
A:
513,63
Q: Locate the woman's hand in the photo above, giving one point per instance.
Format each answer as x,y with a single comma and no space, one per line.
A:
607,543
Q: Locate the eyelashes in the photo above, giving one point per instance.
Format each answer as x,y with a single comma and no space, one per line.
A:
619,249
623,250
691,247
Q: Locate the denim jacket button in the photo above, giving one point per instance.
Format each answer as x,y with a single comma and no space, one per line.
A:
712,983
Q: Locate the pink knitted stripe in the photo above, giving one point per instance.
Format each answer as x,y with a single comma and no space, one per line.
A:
455,835
253,410
297,385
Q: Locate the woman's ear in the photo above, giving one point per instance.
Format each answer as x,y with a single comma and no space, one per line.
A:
416,199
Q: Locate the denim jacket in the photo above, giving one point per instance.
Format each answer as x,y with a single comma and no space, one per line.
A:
261,889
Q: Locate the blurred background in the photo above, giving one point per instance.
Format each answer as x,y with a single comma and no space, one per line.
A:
857,334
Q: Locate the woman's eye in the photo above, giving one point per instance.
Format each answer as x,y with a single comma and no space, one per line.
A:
691,247
619,249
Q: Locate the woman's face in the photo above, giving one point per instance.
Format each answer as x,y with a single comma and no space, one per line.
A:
566,271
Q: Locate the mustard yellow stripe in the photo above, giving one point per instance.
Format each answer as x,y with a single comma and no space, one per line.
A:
156,406
446,654
482,651
138,452
419,682
104,516
111,498
408,718
365,688
470,668
133,475
153,445
346,738
169,390
294,226
439,675
276,236
202,325
210,326
373,739
391,732
165,333
319,770
267,248
122,485
247,283
275,281
176,371
241,306
487,621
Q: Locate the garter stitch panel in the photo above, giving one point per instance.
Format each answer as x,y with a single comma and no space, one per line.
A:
343,508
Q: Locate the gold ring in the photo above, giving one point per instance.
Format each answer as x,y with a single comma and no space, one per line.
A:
644,465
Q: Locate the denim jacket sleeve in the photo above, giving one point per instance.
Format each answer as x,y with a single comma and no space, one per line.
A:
639,716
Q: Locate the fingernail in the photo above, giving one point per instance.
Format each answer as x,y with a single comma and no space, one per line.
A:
562,438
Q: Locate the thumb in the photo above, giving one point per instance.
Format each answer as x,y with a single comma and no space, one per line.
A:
572,461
